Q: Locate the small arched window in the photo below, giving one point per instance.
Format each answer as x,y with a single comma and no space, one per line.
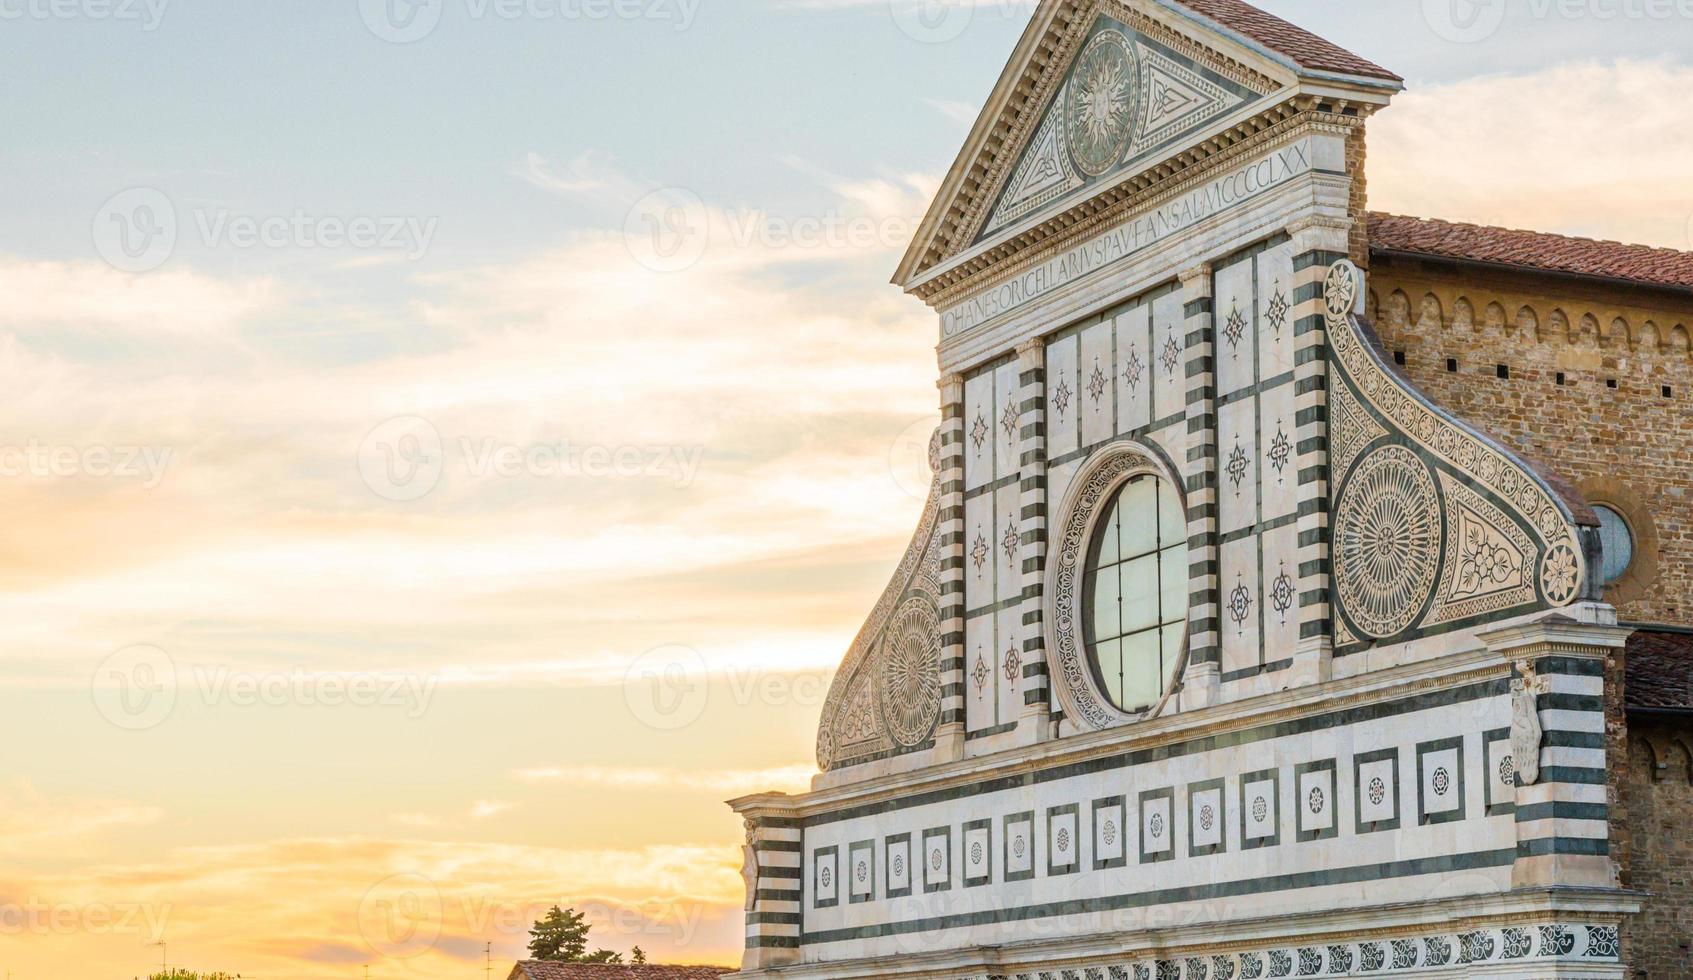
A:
1136,594
1617,538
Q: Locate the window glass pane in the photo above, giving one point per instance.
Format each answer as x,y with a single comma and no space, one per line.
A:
1137,584
1140,593
1108,552
1110,656
1173,572
1141,681
1171,520
1618,542
1175,637
1138,507
1107,621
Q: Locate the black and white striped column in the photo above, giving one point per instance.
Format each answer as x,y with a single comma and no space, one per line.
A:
1035,722
1203,679
1562,810
773,907
1318,243
949,734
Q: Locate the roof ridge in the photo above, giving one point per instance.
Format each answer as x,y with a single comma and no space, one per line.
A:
1527,231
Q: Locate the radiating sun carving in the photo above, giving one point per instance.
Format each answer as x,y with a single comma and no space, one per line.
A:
1099,109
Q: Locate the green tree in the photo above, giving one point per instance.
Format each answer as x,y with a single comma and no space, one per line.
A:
638,956
562,937
178,973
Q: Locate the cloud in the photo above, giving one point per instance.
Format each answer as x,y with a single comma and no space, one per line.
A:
483,809
795,778
92,297
1545,150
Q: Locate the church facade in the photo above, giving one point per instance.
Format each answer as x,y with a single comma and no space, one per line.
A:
1273,610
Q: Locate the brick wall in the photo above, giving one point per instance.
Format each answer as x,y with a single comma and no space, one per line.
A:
1620,427
1658,794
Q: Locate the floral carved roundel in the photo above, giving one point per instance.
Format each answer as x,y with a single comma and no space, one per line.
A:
1099,104
1387,541
911,674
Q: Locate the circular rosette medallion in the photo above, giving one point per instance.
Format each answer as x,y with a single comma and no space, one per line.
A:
1387,541
1099,105
911,673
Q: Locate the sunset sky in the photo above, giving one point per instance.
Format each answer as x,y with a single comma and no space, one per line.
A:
372,523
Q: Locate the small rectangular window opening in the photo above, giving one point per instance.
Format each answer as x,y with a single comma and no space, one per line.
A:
1504,372
1451,365
1561,380
1669,392
1611,383
1399,358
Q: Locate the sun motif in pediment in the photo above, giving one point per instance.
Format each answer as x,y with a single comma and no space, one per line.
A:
1099,105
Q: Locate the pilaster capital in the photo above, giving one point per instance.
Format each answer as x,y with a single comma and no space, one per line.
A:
1196,280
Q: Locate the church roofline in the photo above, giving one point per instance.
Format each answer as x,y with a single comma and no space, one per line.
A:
1531,251
1282,49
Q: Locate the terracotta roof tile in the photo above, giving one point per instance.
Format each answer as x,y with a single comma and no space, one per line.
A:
1660,670
1531,250
542,970
1306,49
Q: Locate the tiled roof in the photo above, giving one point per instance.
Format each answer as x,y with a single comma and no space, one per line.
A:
1531,250
542,970
1660,670
1306,49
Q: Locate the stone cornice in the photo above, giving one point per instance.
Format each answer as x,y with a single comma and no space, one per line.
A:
1385,921
1017,251
1446,671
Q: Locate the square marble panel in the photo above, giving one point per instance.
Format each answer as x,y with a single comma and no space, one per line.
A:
1207,821
1242,601
1063,840
1134,366
1440,778
1063,396
1276,321
898,865
1377,788
1237,465
1007,428
1278,465
1260,809
1019,847
1097,396
1315,799
981,415
1157,825
1169,356
1236,327
826,877
861,871
937,859
1110,833
1501,772
1279,592
978,852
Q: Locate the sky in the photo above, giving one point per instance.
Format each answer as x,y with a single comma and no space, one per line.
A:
447,448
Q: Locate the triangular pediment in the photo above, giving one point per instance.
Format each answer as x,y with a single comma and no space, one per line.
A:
1098,91
1123,99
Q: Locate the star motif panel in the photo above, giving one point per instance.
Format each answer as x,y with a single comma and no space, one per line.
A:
993,551
1257,471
